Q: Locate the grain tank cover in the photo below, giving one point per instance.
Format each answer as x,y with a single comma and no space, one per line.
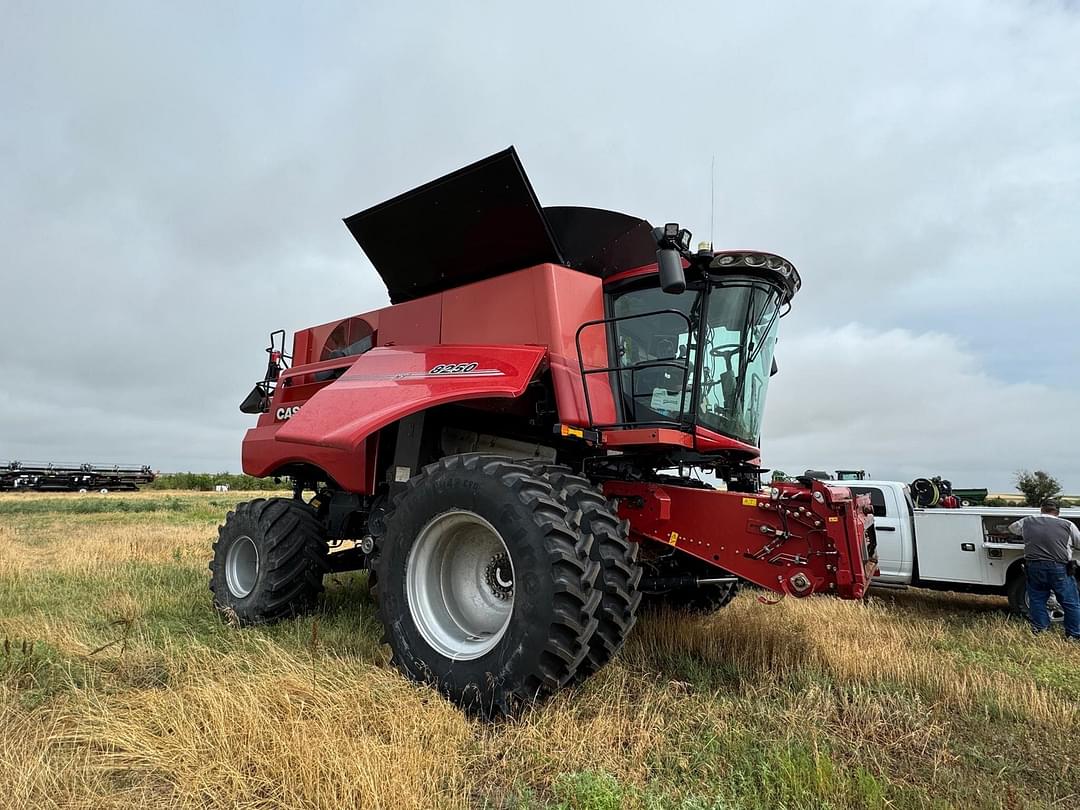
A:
484,220
480,221
601,242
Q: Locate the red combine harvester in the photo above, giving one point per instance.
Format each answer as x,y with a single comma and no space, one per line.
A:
509,443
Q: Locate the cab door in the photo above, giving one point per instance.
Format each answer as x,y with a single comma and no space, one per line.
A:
894,556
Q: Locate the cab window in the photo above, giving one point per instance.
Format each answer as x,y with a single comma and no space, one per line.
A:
877,499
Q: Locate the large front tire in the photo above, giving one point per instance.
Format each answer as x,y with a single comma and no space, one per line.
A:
486,591
269,561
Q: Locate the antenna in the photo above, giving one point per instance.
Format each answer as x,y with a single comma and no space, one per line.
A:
712,200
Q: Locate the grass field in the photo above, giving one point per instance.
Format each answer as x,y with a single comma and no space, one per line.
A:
120,687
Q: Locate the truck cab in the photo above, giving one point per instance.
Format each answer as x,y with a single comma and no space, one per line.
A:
894,524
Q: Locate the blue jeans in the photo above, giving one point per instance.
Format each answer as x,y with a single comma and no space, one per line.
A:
1044,576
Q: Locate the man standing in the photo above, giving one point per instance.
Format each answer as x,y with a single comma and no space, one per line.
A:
1048,544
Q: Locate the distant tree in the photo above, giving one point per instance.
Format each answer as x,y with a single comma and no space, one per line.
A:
204,482
779,475
1037,486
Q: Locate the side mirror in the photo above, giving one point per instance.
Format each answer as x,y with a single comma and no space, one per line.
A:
672,243
672,276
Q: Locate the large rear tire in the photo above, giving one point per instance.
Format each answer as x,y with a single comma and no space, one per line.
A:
617,555
486,589
269,561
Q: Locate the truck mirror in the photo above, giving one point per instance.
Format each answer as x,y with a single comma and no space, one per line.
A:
672,277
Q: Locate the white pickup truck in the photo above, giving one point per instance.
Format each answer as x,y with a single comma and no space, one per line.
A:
968,549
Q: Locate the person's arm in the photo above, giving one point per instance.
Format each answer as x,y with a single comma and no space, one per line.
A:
1074,535
1017,528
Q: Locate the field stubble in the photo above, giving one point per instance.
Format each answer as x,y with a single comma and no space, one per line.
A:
120,686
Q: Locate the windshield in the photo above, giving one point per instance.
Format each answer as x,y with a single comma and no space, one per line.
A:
656,339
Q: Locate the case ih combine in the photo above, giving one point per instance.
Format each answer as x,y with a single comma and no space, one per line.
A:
509,443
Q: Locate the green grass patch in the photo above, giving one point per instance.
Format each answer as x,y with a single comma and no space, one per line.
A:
38,671
111,505
173,606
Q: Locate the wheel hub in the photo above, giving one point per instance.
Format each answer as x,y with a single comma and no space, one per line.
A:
500,576
241,566
459,581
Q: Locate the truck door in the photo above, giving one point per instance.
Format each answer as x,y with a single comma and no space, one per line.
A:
951,546
894,554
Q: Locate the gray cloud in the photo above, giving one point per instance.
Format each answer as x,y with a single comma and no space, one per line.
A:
174,182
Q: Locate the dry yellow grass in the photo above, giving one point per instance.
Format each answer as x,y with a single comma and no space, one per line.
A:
910,699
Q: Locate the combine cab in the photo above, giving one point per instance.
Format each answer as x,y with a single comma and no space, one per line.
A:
511,443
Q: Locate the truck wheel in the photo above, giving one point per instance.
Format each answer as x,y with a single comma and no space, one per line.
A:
486,590
617,555
269,560
1018,599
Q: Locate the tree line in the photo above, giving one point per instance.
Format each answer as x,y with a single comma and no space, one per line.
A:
206,482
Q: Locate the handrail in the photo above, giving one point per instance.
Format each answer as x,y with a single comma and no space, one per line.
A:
681,365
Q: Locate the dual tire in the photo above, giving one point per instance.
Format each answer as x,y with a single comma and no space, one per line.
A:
539,592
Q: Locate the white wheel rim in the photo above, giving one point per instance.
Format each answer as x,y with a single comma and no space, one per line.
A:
459,580
242,566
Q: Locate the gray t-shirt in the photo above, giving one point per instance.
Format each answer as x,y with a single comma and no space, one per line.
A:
1047,537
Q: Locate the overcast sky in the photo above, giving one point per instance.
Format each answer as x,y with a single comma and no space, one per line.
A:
174,176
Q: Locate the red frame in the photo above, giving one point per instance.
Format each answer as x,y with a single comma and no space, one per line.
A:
823,547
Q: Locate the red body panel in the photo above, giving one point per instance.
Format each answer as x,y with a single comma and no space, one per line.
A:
544,305
708,441
386,384
413,323
635,436
819,533
264,455
333,428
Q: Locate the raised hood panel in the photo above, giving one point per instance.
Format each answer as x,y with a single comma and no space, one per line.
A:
485,220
